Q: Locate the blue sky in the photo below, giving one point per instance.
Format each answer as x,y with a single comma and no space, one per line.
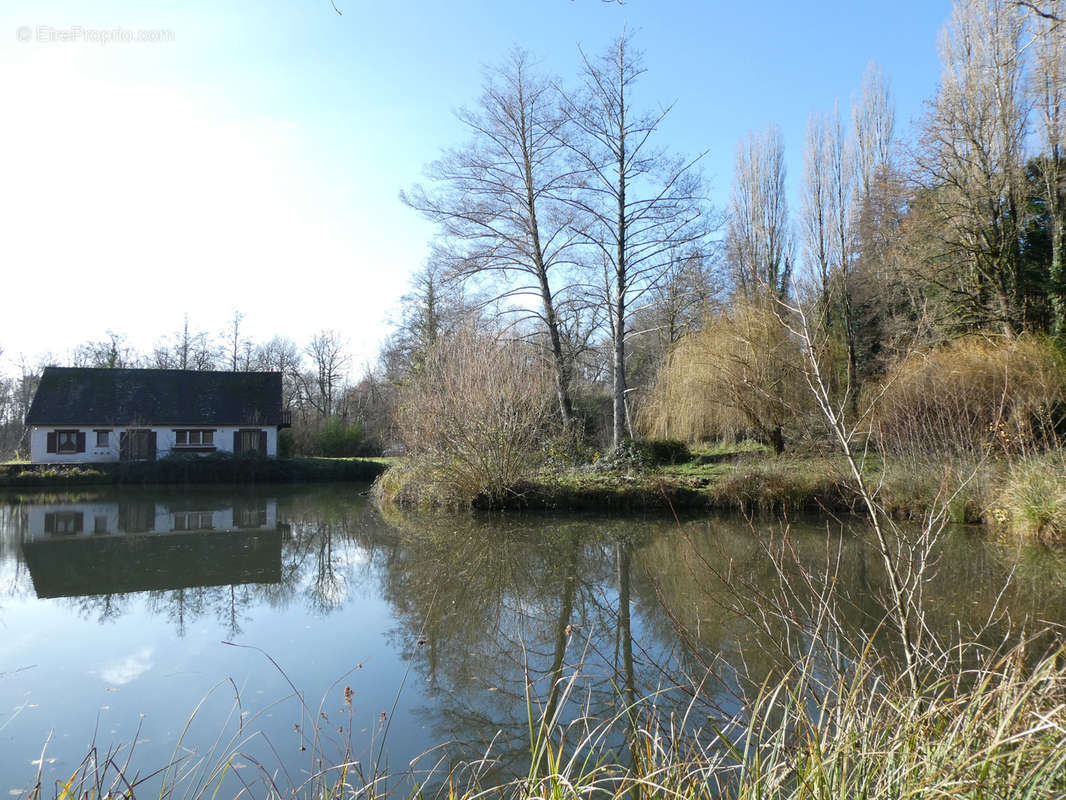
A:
253,159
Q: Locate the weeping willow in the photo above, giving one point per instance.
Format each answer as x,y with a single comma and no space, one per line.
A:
740,375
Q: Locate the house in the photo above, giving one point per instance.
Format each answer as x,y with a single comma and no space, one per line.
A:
86,415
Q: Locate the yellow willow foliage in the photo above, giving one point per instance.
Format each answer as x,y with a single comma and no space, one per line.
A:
741,374
973,396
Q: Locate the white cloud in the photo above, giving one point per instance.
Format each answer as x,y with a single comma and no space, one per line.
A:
129,668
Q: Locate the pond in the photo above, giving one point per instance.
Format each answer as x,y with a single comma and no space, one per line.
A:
290,623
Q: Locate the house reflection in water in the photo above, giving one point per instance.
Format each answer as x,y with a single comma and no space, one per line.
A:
95,548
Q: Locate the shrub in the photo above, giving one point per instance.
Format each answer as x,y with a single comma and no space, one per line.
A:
286,443
338,438
972,396
473,421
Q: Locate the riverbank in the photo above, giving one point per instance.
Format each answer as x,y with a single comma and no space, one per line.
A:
1023,496
192,469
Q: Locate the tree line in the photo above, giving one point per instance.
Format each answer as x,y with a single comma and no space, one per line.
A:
565,222
329,410
569,231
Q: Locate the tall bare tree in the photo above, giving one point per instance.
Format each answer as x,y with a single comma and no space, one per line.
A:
330,363
874,121
970,160
758,237
498,202
235,344
816,208
641,205
187,349
1048,88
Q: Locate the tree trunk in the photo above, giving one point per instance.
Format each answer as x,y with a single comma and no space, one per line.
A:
619,428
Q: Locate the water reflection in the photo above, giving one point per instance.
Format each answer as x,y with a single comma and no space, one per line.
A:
87,549
460,619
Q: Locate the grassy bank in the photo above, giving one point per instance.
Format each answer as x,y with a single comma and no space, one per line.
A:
1020,498
192,469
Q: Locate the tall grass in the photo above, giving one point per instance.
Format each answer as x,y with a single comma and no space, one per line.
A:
987,723
1032,501
972,396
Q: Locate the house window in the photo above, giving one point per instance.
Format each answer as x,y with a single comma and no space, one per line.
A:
64,522
103,438
194,520
67,442
194,438
247,441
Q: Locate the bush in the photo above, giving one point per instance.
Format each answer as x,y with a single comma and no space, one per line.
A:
665,451
338,438
473,421
286,443
971,397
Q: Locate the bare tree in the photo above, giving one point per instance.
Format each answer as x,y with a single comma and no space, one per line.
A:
187,349
234,343
641,205
874,121
758,239
970,161
1048,89
112,352
816,210
282,355
326,351
498,202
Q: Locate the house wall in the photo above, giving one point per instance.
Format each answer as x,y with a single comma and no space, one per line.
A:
165,438
99,519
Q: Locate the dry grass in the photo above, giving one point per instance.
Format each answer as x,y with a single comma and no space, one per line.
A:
994,729
1031,504
971,397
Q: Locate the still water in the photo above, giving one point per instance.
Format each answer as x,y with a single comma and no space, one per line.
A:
124,612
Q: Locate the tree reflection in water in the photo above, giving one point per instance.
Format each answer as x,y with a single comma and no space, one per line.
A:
492,612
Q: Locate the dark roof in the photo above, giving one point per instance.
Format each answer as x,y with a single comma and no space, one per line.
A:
93,396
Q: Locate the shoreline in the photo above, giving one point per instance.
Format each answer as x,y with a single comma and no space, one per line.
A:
191,470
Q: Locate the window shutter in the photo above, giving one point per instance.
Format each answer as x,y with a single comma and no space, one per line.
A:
51,445
262,443
50,521
124,445
151,446
236,443
81,441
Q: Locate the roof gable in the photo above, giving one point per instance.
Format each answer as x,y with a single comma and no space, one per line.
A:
96,396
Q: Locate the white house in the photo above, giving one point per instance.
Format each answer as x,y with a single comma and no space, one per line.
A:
86,415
